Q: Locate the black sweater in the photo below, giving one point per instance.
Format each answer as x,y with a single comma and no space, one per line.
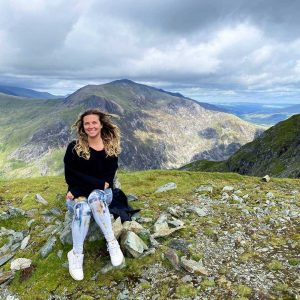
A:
83,176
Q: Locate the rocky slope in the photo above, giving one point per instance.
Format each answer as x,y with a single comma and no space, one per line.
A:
159,129
199,236
275,152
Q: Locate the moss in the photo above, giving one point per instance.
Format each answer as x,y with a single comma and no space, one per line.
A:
294,261
243,290
145,285
207,283
185,290
275,265
3,240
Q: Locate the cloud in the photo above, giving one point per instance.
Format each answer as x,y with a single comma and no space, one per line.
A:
206,45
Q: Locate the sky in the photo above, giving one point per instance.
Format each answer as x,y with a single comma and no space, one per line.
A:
208,50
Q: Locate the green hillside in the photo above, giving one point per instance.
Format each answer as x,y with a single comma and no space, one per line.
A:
34,133
241,231
276,152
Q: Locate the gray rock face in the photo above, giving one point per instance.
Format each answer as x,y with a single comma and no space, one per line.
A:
5,258
192,266
5,276
132,244
172,257
20,263
40,199
47,248
266,178
24,242
167,187
204,188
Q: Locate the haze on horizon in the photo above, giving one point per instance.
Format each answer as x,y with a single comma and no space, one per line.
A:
212,51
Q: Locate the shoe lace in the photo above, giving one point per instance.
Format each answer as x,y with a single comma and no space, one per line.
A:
77,261
113,247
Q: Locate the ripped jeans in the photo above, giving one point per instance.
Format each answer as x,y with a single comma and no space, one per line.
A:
97,204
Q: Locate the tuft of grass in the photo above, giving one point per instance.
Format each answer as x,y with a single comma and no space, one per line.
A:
243,290
275,265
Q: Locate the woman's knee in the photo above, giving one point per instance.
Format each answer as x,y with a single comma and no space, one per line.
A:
100,195
81,209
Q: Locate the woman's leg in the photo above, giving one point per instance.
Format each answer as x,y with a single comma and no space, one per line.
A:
80,227
99,201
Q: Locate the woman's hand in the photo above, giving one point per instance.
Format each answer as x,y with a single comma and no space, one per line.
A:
69,195
106,185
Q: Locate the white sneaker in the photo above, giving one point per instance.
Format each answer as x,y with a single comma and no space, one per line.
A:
75,265
116,255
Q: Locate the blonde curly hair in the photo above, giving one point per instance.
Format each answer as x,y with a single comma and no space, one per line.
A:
110,134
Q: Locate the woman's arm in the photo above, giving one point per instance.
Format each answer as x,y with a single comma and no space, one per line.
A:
111,166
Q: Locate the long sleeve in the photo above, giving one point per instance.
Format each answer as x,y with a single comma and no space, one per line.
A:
83,176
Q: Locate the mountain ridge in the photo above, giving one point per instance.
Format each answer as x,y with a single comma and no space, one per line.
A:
275,152
159,130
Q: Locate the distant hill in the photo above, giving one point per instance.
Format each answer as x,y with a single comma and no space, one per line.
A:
276,152
261,113
159,129
26,93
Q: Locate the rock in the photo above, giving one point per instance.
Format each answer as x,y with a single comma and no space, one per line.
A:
133,244
167,187
32,212
175,211
117,227
40,199
14,211
204,188
17,237
158,227
30,222
5,276
108,267
124,295
60,253
176,223
116,183
47,248
266,178
5,258
15,247
131,197
192,266
145,220
225,196
148,252
187,278
4,216
172,257
269,195
55,211
165,231
201,212
20,264
154,243
133,226
227,188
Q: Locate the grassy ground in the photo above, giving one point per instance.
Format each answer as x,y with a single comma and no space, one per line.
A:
47,276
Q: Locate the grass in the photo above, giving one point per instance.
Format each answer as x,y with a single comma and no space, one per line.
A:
49,277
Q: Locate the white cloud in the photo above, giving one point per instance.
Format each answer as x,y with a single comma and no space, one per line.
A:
223,47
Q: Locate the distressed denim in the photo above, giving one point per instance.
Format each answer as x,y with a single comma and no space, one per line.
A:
82,208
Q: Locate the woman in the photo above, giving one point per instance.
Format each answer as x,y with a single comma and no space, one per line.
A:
90,166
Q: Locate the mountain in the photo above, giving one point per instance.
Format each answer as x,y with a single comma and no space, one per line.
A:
276,152
26,93
159,129
260,113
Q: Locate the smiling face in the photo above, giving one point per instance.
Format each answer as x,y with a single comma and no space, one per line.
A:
92,126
